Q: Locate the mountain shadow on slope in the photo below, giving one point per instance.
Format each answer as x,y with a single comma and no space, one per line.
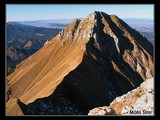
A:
92,84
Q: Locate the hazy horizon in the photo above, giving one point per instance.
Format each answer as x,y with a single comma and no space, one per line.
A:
33,12
71,18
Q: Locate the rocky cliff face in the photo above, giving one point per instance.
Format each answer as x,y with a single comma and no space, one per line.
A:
139,101
89,63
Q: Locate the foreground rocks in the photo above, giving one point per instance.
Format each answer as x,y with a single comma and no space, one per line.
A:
139,101
102,111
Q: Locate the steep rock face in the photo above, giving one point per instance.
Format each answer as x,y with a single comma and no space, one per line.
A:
95,60
139,101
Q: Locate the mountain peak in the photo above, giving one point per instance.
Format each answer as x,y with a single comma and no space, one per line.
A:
98,12
94,14
113,15
93,60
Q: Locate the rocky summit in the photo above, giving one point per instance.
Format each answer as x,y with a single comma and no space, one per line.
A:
86,65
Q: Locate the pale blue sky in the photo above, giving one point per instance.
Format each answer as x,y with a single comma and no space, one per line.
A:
22,12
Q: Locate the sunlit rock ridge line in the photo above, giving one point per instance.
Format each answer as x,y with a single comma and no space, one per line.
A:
91,61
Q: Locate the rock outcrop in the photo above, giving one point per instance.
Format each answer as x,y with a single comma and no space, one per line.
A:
102,111
139,101
90,62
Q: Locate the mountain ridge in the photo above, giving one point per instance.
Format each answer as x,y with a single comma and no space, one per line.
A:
100,54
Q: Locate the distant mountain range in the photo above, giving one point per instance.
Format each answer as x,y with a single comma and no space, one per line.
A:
24,40
144,26
58,23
